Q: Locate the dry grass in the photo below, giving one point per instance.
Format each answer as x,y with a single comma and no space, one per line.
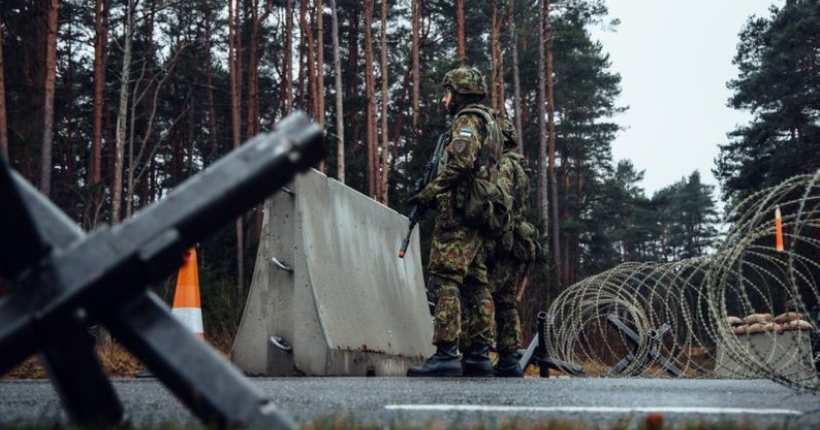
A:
28,369
115,359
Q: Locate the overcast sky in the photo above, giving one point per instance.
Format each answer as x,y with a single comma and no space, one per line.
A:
675,58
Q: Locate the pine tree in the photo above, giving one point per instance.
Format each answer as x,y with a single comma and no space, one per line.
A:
779,73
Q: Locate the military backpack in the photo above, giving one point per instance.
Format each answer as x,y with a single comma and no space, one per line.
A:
486,206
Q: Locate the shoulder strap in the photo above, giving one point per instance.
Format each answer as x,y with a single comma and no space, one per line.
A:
482,113
491,150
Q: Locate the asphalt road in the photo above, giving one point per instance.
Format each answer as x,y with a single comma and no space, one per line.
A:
460,402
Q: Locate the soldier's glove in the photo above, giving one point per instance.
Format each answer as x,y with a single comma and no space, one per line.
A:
414,201
419,200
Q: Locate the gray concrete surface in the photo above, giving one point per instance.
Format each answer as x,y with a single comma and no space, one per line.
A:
463,402
350,305
765,355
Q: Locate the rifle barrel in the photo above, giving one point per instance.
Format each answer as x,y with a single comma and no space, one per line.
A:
428,175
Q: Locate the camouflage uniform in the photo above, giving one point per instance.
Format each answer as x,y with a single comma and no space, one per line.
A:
457,271
504,278
456,262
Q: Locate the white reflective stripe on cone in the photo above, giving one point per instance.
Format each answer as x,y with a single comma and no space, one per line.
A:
190,317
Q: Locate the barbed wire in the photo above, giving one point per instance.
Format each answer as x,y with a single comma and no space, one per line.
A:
746,311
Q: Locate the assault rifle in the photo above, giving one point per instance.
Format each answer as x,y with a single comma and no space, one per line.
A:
430,170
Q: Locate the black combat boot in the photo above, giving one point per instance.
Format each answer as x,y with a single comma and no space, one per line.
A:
477,361
445,362
509,366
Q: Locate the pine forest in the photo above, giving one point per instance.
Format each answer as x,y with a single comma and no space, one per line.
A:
105,106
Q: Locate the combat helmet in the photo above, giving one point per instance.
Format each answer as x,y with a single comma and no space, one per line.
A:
465,80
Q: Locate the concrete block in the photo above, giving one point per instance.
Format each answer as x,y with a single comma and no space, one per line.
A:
767,355
349,305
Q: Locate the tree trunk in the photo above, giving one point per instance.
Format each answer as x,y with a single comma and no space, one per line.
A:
68,153
373,183
214,152
240,73
416,73
542,128
49,87
355,117
100,38
337,68
462,39
385,171
516,78
252,114
497,64
320,69
302,66
493,59
4,137
288,63
307,31
320,63
233,66
122,114
94,176
253,126
566,240
146,76
555,228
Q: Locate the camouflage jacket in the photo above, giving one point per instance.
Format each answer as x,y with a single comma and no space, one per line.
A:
467,136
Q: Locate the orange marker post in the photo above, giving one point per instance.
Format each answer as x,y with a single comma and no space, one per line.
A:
187,306
778,229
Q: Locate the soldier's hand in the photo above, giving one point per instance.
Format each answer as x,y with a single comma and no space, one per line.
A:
419,199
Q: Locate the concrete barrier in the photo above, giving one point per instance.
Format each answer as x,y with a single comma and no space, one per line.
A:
762,355
329,294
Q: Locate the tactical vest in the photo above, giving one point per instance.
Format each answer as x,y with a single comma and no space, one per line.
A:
484,204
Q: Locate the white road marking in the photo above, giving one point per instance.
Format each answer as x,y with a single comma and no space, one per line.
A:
598,409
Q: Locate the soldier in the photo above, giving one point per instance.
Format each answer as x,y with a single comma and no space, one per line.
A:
456,266
509,259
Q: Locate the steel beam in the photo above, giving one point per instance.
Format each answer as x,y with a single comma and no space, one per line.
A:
61,281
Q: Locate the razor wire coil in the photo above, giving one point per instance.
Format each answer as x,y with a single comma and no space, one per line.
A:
746,279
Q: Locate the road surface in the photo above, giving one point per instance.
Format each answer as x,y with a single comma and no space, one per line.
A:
460,401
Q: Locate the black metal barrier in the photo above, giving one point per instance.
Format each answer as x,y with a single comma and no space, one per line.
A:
536,352
652,349
61,280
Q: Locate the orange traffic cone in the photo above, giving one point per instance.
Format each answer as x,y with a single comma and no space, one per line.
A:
778,229
187,307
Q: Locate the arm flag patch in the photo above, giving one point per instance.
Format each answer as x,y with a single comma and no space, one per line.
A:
465,132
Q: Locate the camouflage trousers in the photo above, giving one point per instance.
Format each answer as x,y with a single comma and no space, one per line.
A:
503,280
459,278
